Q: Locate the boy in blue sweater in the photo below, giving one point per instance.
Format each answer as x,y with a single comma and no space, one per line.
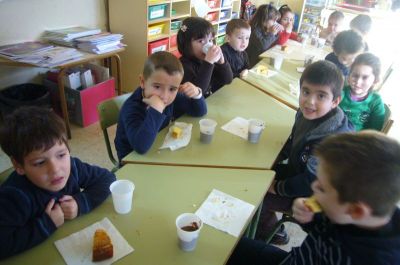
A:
48,186
357,188
152,106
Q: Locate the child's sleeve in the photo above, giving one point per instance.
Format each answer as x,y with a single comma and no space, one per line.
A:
223,73
190,106
94,183
300,184
283,37
19,228
377,116
200,77
141,126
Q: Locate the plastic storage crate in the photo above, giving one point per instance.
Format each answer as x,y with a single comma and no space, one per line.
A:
157,11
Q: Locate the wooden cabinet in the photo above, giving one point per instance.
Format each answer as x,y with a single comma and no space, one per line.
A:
219,14
152,25
147,26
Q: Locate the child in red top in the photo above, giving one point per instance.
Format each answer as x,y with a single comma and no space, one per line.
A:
286,20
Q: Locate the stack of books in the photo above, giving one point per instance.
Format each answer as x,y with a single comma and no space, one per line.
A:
40,54
66,36
100,43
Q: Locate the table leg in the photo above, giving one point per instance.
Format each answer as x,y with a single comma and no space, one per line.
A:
252,228
118,74
63,100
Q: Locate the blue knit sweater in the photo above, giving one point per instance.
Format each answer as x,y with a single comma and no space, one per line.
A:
139,124
23,221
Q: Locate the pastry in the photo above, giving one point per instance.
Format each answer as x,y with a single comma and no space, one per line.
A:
176,132
284,48
262,70
313,205
102,246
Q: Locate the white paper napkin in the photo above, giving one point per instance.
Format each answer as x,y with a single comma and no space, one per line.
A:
238,126
224,212
270,73
76,249
174,144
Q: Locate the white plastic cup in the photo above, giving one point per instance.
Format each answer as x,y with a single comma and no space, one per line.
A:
207,129
321,43
187,240
304,39
278,60
308,59
122,192
255,130
206,47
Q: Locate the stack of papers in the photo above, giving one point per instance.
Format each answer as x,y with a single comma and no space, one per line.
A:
40,54
20,50
100,43
66,36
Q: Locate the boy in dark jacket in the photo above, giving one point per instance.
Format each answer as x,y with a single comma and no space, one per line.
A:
48,186
318,116
160,98
237,39
357,188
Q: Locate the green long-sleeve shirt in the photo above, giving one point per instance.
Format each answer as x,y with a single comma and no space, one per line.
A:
366,114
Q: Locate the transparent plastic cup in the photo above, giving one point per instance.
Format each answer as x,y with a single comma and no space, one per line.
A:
256,127
278,60
122,193
207,129
188,226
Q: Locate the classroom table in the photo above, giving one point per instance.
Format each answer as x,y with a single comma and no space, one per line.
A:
87,57
161,194
283,86
297,51
227,150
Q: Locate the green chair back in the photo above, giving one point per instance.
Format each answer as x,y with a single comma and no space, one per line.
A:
4,175
388,120
108,111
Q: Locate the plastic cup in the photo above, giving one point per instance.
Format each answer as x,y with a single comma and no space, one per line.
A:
321,42
255,130
304,39
188,226
122,192
278,60
207,129
308,59
206,47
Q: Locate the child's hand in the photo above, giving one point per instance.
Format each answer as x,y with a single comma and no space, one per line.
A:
55,213
289,27
276,28
244,73
301,212
189,90
155,102
69,207
213,54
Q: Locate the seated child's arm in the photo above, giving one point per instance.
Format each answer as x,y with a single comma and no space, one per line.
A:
223,73
300,184
141,125
377,116
22,224
189,101
200,77
94,183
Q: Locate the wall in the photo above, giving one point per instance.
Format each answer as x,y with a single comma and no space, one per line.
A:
26,20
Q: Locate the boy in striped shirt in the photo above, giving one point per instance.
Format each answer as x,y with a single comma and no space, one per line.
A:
357,187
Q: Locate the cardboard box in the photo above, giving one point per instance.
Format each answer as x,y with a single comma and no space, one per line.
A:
82,105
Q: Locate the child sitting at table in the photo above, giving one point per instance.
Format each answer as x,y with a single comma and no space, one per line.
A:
160,99
237,39
286,20
346,46
264,32
357,189
335,22
203,61
362,24
48,186
318,117
363,106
